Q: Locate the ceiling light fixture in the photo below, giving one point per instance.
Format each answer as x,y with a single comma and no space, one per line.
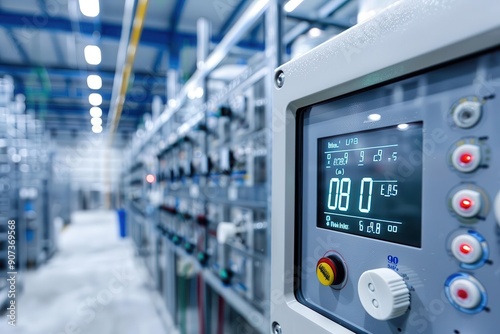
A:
96,121
315,32
89,8
97,129
291,5
95,99
95,112
92,54
374,117
94,81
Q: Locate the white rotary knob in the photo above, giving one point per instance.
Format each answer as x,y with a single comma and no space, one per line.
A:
383,293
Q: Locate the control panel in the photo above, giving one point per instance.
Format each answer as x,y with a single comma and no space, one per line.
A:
395,220
396,192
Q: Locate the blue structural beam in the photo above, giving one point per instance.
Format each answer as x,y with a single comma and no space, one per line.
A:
69,109
55,43
77,94
174,44
157,38
176,15
106,74
232,17
19,46
158,59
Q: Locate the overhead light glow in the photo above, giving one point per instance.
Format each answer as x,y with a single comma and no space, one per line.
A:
89,8
97,129
374,117
95,112
291,5
92,54
172,103
403,126
95,99
94,81
96,121
315,32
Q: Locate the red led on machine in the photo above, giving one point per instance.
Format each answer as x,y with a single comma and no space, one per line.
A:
150,178
466,203
466,158
465,248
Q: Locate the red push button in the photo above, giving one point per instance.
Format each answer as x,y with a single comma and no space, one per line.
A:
467,249
466,158
466,203
465,293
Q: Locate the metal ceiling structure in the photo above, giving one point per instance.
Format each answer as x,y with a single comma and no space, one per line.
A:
43,41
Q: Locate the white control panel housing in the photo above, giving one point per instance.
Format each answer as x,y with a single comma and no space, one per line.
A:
428,267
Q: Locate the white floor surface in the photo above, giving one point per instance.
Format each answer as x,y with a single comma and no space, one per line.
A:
93,285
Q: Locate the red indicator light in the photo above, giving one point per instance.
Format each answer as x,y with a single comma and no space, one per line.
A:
150,178
466,158
465,248
462,294
465,203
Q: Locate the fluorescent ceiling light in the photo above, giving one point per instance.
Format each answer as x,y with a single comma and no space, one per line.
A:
403,126
95,112
95,99
89,8
92,54
291,5
97,129
315,32
374,117
96,121
94,81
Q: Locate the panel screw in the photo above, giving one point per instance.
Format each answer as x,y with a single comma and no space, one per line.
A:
279,78
276,328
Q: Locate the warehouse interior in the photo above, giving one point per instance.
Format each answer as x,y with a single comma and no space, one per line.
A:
138,151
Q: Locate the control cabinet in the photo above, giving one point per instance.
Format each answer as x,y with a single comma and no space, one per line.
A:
386,182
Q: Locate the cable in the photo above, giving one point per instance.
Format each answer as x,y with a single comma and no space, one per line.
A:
201,312
183,299
220,321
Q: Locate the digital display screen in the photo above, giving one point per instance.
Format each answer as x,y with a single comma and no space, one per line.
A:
370,184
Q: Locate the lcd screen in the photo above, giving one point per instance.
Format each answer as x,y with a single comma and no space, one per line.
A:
370,184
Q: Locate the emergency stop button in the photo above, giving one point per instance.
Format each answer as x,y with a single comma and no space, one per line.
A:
466,203
466,158
330,271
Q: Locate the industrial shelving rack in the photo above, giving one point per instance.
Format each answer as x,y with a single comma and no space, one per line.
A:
10,180
26,182
197,187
